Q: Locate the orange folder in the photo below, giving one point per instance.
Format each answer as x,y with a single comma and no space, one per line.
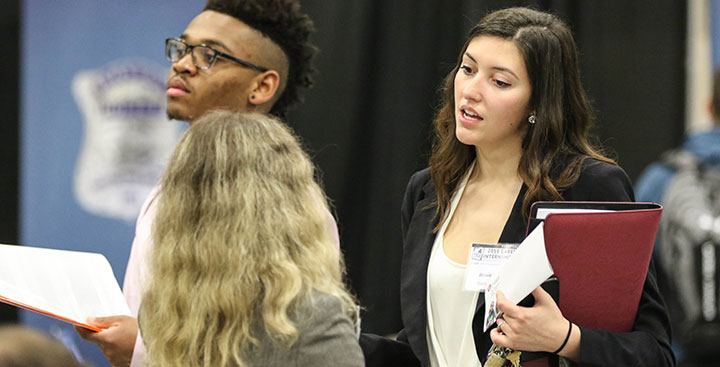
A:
66,285
48,313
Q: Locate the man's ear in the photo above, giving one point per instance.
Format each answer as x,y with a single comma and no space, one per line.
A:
265,86
711,110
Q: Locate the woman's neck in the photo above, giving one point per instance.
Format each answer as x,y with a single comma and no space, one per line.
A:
499,164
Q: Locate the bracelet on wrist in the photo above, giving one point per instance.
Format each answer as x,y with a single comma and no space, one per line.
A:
567,337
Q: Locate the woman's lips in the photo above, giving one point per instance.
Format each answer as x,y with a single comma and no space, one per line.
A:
468,116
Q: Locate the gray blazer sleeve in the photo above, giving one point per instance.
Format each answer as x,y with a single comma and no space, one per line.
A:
327,338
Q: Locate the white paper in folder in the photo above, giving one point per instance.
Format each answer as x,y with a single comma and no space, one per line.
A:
67,285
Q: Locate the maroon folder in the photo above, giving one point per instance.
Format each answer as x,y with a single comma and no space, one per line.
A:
600,259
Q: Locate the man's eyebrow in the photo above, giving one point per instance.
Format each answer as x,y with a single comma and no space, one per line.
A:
499,68
210,42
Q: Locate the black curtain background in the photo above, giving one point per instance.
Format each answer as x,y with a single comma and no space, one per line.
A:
367,121
9,123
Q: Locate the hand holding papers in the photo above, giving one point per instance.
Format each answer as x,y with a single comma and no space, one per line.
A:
67,285
524,271
599,251
601,260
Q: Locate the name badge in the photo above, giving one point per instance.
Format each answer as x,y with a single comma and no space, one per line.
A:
484,261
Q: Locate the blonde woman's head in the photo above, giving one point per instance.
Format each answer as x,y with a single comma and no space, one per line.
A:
239,240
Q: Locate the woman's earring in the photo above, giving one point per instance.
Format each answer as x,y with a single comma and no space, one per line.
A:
532,119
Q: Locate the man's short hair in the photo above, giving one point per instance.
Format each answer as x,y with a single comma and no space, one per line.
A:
284,23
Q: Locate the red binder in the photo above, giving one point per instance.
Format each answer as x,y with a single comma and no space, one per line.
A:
600,259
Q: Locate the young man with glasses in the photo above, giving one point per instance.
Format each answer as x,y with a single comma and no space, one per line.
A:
242,55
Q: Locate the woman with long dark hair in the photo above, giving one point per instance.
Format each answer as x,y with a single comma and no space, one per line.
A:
513,129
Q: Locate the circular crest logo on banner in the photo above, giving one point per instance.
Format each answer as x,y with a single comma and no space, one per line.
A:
127,136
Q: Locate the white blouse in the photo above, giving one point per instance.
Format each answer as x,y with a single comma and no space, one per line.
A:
450,309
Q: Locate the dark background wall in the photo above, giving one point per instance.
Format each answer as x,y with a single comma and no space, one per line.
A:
367,121
9,124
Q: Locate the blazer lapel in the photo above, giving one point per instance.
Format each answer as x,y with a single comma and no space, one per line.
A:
513,232
413,278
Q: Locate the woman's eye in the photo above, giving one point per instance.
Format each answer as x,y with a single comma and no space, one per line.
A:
501,83
466,69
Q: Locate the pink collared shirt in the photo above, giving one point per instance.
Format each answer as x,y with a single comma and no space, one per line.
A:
137,267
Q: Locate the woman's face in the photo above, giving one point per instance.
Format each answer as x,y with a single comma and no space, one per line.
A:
492,94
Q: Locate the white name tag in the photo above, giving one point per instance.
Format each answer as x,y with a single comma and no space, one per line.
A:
484,261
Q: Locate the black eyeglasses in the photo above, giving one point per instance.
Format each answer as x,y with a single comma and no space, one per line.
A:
203,56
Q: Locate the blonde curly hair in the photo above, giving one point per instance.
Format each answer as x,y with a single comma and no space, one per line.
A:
240,240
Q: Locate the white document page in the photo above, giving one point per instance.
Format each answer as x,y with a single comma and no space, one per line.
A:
542,213
68,285
524,271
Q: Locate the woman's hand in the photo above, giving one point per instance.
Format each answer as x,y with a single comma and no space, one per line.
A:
540,328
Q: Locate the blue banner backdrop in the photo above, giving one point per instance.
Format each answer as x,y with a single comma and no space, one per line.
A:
94,135
715,31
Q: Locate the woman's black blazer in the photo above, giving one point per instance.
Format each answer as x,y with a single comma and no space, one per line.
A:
647,345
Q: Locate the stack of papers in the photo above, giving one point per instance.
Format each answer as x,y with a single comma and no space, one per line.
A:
67,285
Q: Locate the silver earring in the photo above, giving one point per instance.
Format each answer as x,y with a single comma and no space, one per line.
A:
532,119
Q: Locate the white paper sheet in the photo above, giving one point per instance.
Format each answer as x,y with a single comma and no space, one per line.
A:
524,271
542,213
68,285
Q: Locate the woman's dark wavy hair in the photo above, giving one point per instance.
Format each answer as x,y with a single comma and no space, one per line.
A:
284,23
554,148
